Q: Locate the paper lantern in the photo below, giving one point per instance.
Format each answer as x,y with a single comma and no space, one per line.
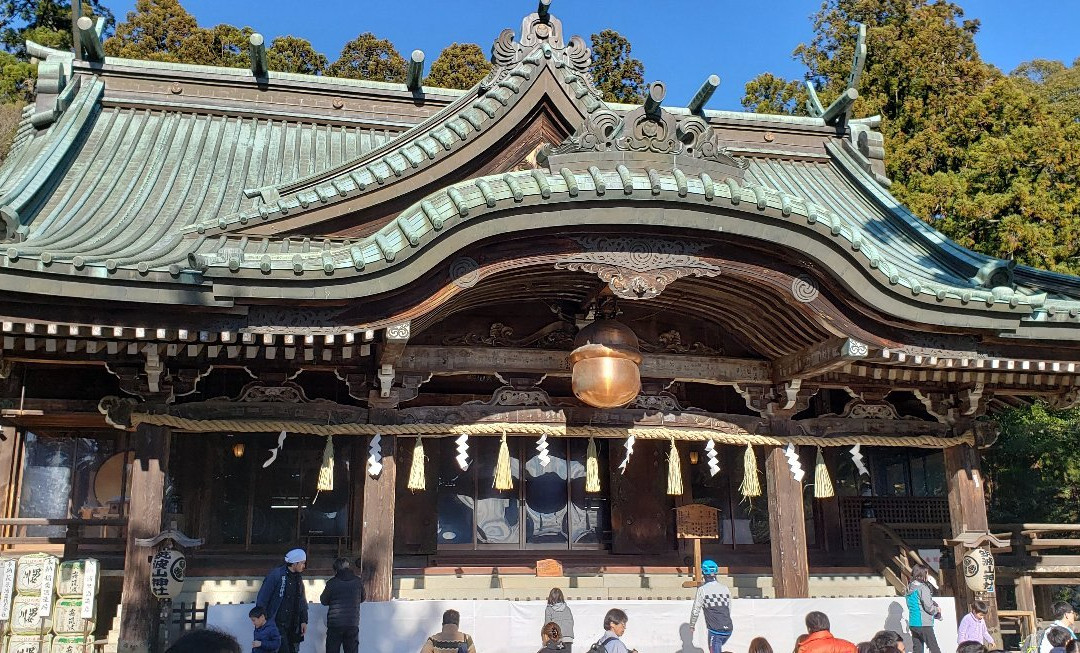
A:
167,573
979,571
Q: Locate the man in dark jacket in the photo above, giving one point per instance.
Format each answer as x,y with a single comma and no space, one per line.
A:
343,595
282,596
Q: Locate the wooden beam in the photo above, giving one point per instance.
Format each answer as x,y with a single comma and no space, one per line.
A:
139,608
426,359
967,513
787,528
377,541
818,359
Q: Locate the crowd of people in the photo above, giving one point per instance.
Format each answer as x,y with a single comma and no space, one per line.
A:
280,620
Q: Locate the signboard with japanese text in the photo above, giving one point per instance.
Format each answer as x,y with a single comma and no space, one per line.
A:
696,520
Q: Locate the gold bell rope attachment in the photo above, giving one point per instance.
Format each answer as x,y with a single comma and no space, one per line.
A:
823,487
592,468
750,486
503,478
416,471
326,470
674,471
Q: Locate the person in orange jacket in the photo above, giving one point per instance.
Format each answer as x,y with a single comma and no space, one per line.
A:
820,640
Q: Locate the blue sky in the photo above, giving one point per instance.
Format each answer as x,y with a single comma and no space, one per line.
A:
680,41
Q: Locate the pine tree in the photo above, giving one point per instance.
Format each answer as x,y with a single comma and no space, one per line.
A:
369,57
459,65
614,71
289,54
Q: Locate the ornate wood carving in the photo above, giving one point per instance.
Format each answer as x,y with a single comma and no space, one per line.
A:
863,409
557,335
510,396
952,407
779,400
670,342
638,268
661,401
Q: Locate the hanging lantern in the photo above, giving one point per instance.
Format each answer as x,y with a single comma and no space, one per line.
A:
604,364
238,450
167,573
979,571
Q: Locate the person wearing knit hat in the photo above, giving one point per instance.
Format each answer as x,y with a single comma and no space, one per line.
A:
282,596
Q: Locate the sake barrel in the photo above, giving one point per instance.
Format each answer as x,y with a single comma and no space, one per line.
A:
35,571
29,644
71,644
26,616
72,576
67,618
979,573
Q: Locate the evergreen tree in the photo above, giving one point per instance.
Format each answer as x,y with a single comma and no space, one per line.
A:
459,65
987,159
157,30
289,54
369,57
615,72
47,22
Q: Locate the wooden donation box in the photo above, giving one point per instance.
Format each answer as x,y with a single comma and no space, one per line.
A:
696,521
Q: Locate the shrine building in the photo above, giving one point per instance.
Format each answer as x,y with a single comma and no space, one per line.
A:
454,333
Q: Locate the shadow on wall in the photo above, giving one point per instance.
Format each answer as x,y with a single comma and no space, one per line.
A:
687,637
895,622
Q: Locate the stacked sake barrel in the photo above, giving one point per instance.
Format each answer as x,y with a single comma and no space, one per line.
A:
54,606
30,617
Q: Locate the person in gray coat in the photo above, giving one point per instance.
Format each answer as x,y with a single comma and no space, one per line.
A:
558,612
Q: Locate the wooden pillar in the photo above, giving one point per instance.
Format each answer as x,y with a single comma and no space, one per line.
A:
139,608
967,512
787,528
1025,594
377,540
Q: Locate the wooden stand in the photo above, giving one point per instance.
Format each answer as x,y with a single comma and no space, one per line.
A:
696,521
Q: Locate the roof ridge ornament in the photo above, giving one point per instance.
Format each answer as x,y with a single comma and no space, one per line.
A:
650,130
540,30
839,112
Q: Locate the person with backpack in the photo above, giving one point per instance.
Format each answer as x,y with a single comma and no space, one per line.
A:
559,613
614,628
973,625
922,611
450,639
715,599
1064,617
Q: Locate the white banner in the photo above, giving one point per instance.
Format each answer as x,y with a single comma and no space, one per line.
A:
90,572
654,626
7,587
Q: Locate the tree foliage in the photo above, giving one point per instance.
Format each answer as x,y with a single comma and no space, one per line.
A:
1033,471
289,54
162,30
369,57
47,22
993,161
459,65
615,72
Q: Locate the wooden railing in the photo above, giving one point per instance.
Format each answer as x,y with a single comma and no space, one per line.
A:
111,533
885,551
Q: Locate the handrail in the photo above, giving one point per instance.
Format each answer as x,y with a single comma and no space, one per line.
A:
888,553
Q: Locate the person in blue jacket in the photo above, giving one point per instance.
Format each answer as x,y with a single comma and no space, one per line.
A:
282,596
266,638
922,611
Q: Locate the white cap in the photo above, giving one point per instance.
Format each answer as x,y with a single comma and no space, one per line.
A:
295,556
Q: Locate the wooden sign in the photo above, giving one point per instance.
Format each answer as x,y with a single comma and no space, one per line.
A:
696,521
548,568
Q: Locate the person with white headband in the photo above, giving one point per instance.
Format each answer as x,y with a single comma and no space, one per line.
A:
282,596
